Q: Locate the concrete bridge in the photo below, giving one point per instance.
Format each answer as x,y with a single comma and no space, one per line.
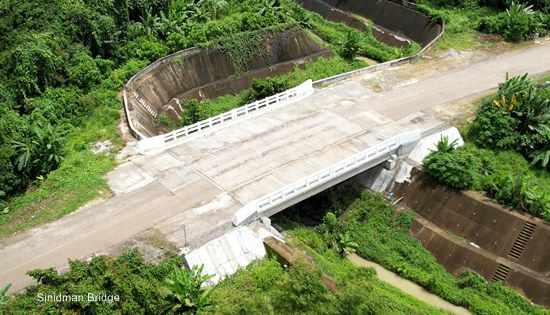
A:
192,191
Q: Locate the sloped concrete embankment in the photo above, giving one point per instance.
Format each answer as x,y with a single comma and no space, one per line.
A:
391,20
195,73
466,230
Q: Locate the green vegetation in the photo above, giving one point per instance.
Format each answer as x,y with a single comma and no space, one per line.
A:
518,22
184,289
371,225
4,299
64,62
133,286
511,131
261,88
380,233
511,20
267,288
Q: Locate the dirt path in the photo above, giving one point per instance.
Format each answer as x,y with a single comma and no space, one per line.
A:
408,287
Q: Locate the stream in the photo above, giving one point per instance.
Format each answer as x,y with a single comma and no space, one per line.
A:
408,287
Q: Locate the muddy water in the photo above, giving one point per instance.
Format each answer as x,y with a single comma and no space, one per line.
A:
408,286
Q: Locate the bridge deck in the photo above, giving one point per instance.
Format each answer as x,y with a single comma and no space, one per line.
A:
200,184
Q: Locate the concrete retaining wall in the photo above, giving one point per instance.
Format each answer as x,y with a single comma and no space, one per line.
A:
332,14
195,73
489,226
390,16
457,256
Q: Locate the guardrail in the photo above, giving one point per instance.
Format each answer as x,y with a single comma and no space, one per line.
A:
381,66
153,143
255,208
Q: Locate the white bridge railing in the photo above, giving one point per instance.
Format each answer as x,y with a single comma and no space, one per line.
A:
301,91
259,206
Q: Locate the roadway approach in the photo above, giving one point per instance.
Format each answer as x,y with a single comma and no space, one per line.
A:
190,192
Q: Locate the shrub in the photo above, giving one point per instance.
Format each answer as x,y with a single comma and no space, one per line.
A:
494,128
495,24
145,48
84,72
434,16
518,22
138,284
470,279
349,48
458,169
191,112
262,88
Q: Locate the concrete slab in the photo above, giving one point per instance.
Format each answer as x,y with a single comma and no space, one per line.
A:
153,164
128,177
221,257
189,185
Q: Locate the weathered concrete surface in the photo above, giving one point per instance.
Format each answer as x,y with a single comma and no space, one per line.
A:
477,219
387,36
223,256
495,231
197,187
198,74
387,14
456,255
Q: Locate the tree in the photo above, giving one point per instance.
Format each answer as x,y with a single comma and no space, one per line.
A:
184,289
214,8
43,152
349,48
32,64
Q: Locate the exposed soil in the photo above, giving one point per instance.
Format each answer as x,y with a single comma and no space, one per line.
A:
152,244
456,113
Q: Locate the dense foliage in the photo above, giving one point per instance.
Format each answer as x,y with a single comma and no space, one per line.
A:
511,128
519,21
138,285
371,226
122,285
267,288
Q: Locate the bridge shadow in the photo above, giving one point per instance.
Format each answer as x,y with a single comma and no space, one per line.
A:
311,211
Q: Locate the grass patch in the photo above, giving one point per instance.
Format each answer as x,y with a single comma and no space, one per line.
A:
460,25
78,180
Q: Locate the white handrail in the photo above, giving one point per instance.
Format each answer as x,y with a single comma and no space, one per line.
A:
148,144
262,204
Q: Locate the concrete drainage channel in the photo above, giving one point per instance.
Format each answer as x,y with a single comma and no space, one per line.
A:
501,245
